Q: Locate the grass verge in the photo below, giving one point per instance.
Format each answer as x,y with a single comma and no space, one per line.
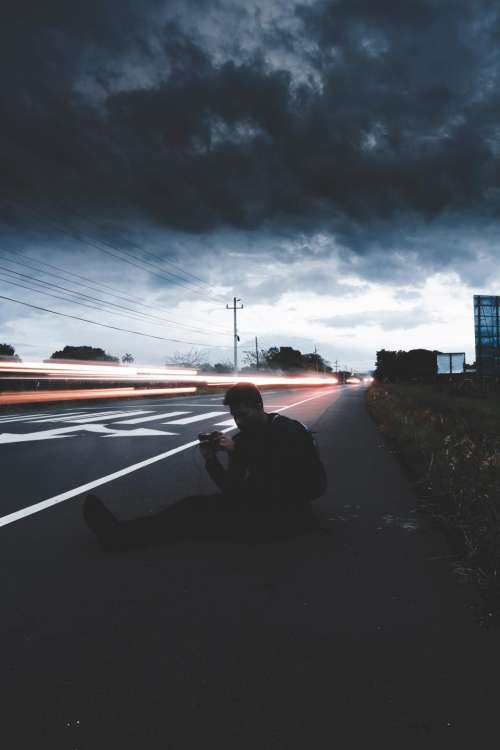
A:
451,448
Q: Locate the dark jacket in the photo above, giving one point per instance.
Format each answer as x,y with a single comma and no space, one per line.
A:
279,466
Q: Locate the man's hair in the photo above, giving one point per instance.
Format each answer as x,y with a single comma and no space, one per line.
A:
244,393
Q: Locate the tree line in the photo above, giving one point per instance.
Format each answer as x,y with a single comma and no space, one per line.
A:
275,359
402,366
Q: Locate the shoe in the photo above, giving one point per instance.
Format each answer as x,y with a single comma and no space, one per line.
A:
101,521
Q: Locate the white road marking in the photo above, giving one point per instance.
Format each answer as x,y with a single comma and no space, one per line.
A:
152,418
67,416
185,403
105,417
138,432
62,432
227,423
196,418
27,418
297,403
44,504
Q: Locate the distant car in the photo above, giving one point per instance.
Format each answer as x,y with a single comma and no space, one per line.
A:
353,380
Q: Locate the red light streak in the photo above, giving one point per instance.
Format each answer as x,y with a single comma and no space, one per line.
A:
31,397
112,374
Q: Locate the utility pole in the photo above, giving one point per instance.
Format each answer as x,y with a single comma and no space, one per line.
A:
236,337
257,352
336,366
316,358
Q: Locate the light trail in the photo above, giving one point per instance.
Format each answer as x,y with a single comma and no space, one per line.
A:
32,397
165,380
90,368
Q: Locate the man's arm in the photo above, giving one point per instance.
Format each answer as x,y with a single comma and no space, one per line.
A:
230,480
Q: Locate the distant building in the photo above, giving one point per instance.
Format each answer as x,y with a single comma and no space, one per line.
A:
487,330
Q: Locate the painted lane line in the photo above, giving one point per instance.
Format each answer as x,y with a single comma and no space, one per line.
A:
196,418
278,408
152,418
44,504
311,398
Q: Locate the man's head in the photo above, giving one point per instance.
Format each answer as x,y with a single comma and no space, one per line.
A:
246,405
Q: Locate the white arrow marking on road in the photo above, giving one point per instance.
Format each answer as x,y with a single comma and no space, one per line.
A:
12,437
138,432
196,418
31,418
67,417
155,416
104,416
62,432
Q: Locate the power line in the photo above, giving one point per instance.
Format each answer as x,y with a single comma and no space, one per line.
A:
92,191
208,287
73,301
143,316
115,328
88,241
115,252
99,287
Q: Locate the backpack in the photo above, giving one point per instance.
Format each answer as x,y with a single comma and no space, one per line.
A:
313,474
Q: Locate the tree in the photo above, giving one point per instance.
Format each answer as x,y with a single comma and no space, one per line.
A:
291,360
127,359
6,350
284,358
194,359
84,353
251,360
315,362
223,367
395,366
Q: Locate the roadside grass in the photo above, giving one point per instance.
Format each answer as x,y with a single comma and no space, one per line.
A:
451,448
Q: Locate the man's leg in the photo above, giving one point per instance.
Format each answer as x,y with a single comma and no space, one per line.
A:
194,517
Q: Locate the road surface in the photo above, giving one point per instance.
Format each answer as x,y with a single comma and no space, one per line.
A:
359,638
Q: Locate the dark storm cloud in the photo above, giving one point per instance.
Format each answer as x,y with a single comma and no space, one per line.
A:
111,105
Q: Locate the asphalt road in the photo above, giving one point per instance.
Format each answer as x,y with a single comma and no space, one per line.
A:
363,637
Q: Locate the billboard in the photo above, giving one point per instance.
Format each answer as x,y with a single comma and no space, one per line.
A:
450,363
486,325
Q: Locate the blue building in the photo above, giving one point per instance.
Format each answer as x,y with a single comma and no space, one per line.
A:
487,330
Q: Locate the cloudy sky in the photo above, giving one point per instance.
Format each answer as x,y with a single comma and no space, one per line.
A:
332,163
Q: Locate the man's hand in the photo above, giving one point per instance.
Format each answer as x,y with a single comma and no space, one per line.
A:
217,442
225,444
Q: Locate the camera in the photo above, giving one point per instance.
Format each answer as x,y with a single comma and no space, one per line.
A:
209,437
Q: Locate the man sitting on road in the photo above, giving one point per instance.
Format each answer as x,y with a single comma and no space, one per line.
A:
273,473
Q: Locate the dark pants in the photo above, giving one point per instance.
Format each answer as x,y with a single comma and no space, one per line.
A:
215,517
